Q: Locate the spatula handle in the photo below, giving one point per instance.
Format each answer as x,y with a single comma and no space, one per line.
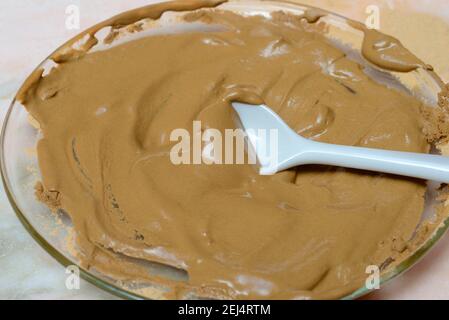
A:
416,165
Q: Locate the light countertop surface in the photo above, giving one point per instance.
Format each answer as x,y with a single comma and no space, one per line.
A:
31,29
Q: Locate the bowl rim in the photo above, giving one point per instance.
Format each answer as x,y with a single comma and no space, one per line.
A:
121,292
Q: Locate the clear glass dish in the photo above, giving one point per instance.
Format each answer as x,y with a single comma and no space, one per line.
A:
20,171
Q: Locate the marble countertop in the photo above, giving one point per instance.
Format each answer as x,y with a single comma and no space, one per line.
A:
31,29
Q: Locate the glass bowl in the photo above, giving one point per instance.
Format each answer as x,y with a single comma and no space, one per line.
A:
54,232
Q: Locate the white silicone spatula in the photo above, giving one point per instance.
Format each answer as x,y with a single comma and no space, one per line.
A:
292,150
